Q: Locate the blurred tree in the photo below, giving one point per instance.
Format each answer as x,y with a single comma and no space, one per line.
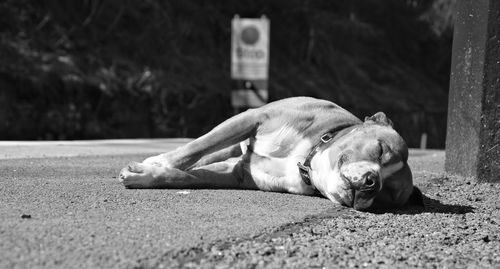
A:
121,68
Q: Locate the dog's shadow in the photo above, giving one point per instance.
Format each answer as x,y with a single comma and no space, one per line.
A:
430,206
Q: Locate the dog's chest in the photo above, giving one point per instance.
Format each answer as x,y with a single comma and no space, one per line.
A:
274,158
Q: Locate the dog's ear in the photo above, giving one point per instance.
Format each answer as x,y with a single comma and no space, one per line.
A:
416,198
379,118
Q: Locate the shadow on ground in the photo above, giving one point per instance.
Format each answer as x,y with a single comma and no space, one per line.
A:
430,206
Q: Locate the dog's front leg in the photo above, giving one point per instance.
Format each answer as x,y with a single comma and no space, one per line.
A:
226,134
233,151
224,175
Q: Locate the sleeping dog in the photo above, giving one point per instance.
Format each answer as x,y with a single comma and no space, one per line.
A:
297,145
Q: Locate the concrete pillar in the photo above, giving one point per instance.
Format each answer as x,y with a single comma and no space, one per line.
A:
473,132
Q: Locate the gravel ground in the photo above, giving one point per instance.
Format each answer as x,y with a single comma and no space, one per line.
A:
458,228
71,212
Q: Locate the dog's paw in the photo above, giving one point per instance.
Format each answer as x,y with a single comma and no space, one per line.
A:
139,175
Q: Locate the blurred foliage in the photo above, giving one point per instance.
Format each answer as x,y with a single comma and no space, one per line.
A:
121,68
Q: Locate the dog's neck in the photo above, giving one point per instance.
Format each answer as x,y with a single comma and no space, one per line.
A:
325,140
323,169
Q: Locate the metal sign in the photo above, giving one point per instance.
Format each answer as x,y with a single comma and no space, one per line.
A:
249,61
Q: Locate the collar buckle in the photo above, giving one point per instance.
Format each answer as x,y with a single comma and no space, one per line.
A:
326,138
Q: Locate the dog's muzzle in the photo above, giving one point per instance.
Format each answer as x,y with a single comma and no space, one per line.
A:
363,186
367,183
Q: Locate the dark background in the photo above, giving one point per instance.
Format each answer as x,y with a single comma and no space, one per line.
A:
125,69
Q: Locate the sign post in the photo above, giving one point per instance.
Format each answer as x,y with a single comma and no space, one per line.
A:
249,62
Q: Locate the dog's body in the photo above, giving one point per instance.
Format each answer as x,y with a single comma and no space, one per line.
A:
299,145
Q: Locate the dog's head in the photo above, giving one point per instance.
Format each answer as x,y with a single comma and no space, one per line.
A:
368,168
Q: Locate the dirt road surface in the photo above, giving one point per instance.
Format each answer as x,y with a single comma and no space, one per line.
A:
61,206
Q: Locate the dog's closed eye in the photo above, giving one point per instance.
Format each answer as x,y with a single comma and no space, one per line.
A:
380,151
386,154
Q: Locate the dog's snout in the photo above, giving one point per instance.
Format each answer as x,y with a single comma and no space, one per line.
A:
367,182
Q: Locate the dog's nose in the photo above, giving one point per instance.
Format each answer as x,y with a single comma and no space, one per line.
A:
367,182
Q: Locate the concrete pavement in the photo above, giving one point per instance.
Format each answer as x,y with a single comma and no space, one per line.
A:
61,206
107,147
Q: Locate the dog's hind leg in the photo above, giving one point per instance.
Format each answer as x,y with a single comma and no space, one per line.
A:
221,175
226,134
